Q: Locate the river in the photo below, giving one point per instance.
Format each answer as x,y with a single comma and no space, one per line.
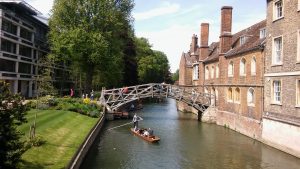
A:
185,144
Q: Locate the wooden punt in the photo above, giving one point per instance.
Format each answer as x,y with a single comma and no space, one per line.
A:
139,133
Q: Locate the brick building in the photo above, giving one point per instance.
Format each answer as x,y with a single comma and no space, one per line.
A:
281,120
232,70
23,41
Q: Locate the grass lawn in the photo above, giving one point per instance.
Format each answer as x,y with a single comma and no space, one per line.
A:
63,132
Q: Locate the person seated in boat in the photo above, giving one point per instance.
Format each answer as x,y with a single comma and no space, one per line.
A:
150,132
146,133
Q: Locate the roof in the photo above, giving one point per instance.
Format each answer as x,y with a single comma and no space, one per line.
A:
189,59
23,5
253,42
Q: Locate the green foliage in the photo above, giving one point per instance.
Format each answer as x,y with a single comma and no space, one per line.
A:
33,142
12,114
89,34
175,76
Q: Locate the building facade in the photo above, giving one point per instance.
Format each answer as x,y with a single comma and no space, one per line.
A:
281,120
232,71
23,41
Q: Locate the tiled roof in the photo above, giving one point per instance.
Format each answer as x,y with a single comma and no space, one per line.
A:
189,59
253,41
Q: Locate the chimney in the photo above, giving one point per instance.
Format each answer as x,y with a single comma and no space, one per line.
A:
204,32
226,24
194,44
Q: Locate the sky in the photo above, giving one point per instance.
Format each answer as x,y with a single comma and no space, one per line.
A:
170,24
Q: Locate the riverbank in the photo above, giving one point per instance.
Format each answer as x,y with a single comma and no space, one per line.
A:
63,131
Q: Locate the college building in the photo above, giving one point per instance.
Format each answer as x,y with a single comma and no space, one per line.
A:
23,41
254,75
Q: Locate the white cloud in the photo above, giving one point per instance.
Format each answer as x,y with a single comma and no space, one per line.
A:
167,8
43,6
172,41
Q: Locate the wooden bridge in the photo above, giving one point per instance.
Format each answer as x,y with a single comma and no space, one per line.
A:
115,98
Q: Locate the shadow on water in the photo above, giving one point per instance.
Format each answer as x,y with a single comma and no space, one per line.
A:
185,143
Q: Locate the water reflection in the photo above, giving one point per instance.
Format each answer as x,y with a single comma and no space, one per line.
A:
185,143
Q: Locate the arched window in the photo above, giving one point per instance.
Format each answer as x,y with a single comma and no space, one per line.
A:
230,69
250,97
206,72
237,95
217,94
196,72
229,94
243,67
213,98
212,72
253,66
217,71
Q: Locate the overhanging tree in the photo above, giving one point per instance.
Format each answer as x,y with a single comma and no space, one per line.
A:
87,33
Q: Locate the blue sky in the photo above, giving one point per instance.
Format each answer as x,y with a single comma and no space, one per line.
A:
170,24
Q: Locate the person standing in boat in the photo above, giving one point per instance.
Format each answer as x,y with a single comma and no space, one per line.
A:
136,120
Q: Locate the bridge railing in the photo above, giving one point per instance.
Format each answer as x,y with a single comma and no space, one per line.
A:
114,98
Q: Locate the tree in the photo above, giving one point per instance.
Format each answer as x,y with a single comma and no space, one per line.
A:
154,68
87,33
175,76
12,114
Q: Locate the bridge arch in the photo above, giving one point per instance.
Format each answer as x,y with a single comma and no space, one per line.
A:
112,99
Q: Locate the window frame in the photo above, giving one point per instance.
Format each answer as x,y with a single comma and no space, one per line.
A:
243,67
262,33
274,101
195,72
230,69
229,95
274,51
297,93
298,45
275,10
212,72
237,95
253,66
217,71
252,104
206,72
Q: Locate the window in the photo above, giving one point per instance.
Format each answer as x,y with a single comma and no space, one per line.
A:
7,65
206,72
24,33
213,93
250,97
237,95
24,68
196,72
298,5
262,33
205,90
278,10
217,94
9,27
253,66
212,72
242,40
298,93
277,50
229,95
230,69
276,91
8,46
243,67
25,51
298,45
217,71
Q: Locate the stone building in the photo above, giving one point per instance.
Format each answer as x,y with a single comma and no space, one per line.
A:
23,41
232,70
281,120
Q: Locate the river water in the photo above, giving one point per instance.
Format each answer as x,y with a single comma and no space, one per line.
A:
185,144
